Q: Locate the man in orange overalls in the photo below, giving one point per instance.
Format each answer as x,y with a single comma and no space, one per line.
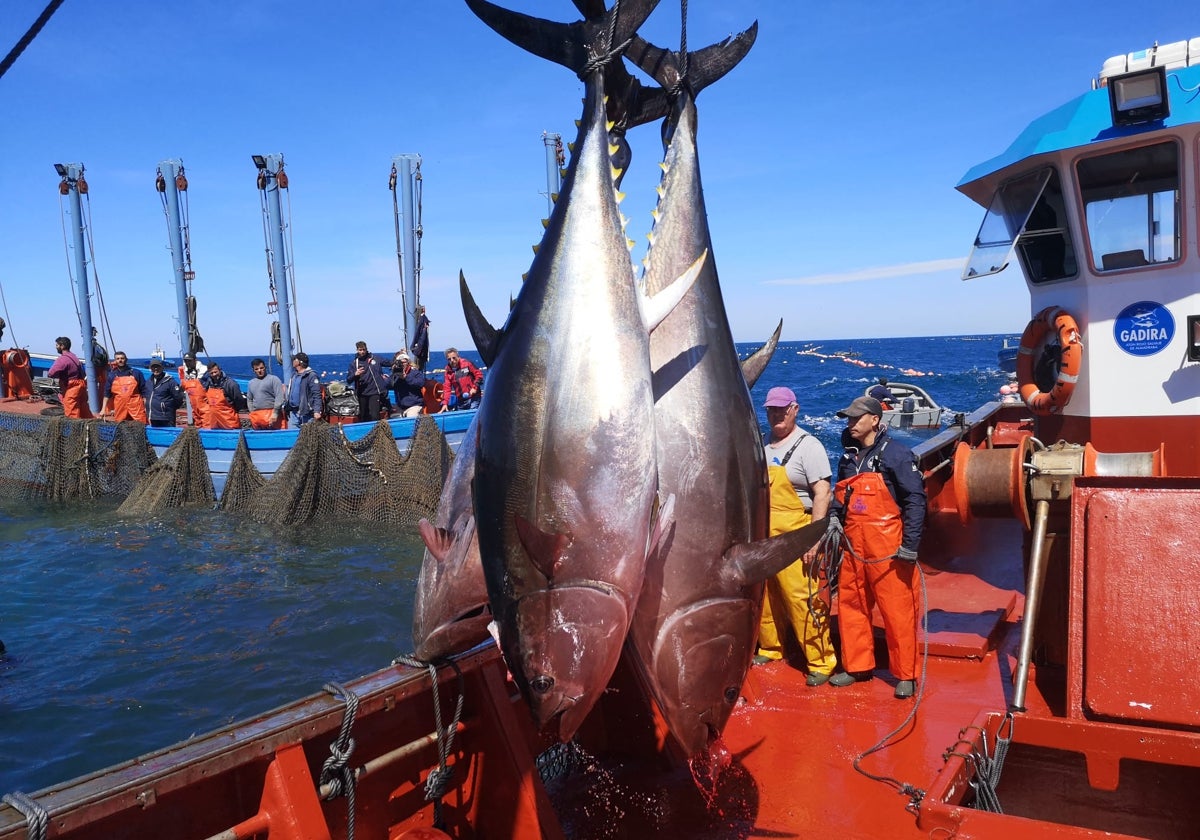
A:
881,496
72,384
125,394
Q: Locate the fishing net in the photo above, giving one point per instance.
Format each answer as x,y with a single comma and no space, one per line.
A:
180,478
325,476
59,459
328,477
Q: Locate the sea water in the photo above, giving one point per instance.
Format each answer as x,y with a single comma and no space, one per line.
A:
124,636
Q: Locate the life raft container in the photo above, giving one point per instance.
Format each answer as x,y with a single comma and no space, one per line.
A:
1058,320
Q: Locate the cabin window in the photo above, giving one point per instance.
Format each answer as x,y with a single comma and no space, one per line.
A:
1026,215
1131,204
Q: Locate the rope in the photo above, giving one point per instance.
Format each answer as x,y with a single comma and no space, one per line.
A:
27,38
36,817
606,54
438,781
336,771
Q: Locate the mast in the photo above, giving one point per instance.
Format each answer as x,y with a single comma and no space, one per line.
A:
271,179
72,186
555,160
170,183
406,174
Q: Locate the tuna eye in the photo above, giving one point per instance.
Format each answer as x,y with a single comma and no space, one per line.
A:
541,684
731,694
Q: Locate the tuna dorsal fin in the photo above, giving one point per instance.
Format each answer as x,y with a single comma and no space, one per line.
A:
751,563
544,550
485,336
705,66
568,44
655,309
438,541
757,361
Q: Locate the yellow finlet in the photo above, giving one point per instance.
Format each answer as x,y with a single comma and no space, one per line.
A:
620,196
554,197
535,248
571,147
545,223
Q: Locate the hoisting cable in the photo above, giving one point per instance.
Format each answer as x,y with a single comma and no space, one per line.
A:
12,334
419,192
64,189
438,781
606,55
105,328
392,180
289,267
30,34
36,817
336,772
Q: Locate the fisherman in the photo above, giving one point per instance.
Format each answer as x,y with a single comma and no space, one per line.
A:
463,383
190,374
126,391
222,399
408,385
881,496
303,393
883,393
72,381
798,471
420,342
265,398
370,381
164,396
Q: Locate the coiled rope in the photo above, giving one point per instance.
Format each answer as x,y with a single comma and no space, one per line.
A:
336,771
36,817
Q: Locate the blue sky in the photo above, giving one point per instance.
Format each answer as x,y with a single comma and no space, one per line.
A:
829,157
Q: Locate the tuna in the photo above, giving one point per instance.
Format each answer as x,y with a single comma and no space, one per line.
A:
565,486
451,612
696,622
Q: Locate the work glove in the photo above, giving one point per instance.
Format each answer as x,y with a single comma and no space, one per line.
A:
908,554
834,528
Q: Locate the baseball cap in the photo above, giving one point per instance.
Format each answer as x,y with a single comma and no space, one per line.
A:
861,406
189,357
156,363
780,397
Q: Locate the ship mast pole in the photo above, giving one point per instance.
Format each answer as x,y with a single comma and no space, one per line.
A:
554,163
270,169
72,177
406,166
170,170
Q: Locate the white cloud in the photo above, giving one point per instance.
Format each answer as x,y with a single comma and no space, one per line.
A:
878,273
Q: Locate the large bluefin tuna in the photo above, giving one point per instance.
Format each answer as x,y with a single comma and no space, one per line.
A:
451,612
565,483
693,634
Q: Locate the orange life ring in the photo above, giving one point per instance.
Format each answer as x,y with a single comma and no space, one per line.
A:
1060,321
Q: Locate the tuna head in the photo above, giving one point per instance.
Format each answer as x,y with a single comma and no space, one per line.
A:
565,642
451,612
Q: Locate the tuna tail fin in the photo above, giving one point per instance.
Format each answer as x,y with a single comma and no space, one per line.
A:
572,45
655,309
704,66
751,563
757,362
485,336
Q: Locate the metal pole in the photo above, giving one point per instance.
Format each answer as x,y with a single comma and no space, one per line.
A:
552,142
1033,599
408,231
272,164
170,170
71,174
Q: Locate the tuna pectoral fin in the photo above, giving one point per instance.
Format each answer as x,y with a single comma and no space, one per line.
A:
437,540
483,333
544,550
655,309
757,362
754,562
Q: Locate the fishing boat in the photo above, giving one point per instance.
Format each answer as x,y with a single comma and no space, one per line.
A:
1006,357
1056,696
910,406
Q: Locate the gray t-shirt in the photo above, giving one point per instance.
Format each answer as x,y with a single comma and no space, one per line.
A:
264,393
808,465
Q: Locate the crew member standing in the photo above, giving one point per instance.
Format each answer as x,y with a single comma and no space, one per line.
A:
462,386
881,495
370,380
190,374
164,396
420,342
265,398
72,381
126,391
303,393
798,469
222,399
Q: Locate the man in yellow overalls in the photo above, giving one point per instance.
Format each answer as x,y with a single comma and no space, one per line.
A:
798,468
